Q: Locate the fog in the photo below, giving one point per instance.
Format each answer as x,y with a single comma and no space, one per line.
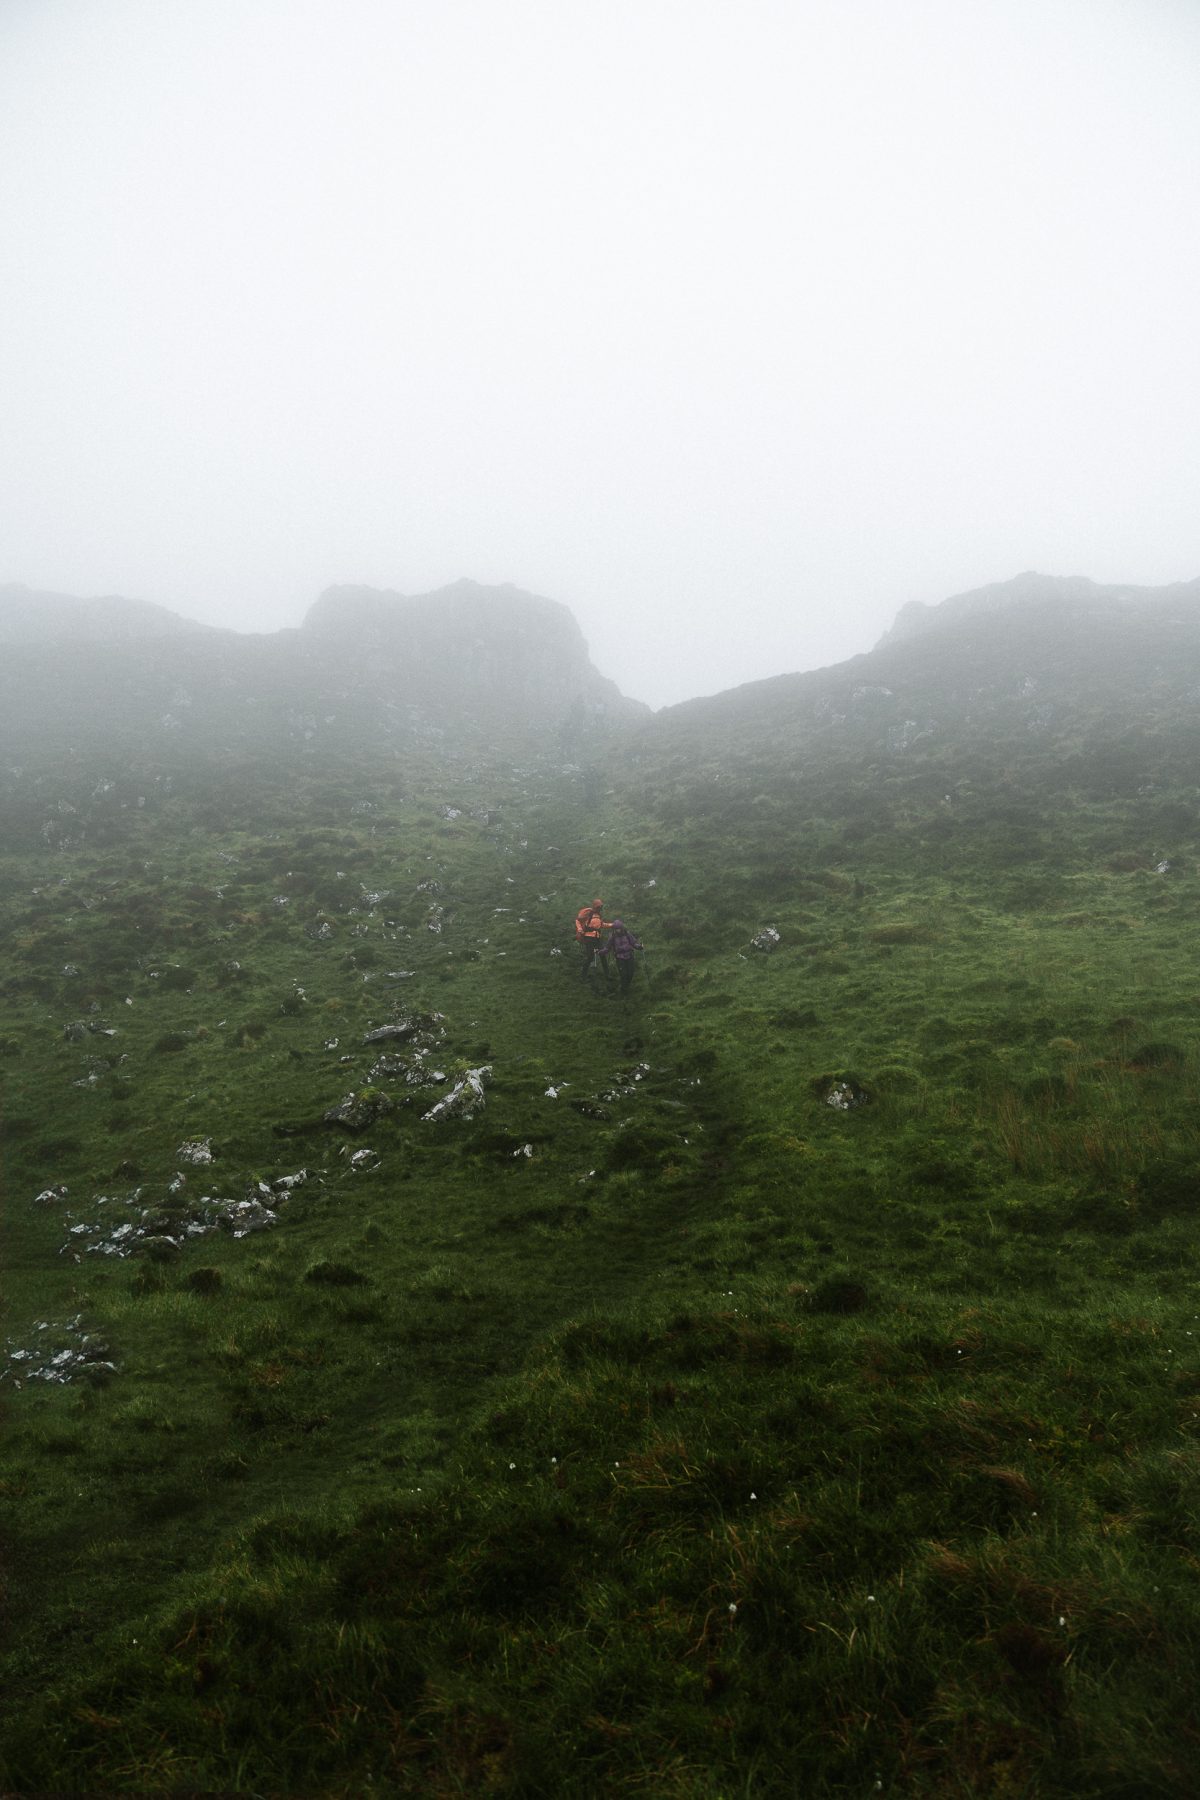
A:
732,326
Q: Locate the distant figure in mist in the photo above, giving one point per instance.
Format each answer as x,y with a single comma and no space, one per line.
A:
621,946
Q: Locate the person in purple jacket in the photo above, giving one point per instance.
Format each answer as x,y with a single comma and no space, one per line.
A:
621,945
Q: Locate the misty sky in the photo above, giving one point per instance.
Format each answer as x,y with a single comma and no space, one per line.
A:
734,324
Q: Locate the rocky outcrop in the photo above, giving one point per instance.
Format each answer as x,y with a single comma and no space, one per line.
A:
369,670
497,650
28,616
1055,593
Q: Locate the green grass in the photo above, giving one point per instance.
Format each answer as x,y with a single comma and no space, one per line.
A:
726,1442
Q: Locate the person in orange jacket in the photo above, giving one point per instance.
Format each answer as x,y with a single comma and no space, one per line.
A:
590,926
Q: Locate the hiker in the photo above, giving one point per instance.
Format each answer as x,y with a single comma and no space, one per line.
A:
590,926
622,944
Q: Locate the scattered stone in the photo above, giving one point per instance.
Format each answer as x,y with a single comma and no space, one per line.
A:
50,1196
287,1183
845,1094
197,1151
398,1033
766,940
355,1111
61,1353
241,1217
363,1162
465,1098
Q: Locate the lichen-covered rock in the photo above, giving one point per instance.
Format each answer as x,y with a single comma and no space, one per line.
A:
465,1098
767,939
398,1033
198,1152
358,1110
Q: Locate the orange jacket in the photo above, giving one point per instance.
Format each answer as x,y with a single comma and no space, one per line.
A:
589,923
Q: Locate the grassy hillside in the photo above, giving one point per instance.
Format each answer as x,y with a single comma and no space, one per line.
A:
784,1382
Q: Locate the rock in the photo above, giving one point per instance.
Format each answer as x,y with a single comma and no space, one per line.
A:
393,1034
198,1152
240,1217
60,1353
844,1095
50,1196
767,939
363,1161
465,1098
358,1110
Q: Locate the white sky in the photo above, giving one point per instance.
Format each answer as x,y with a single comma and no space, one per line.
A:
734,324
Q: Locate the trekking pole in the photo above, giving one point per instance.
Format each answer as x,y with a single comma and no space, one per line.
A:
645,966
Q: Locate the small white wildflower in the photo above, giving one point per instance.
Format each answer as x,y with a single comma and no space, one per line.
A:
512,1465
732,1607
1061,1619
754,1496
870,1596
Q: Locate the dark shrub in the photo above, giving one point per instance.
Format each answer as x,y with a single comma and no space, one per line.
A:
204,1281
1168,1187
793,1018
335,1274
1158,1056
839,1294
170,1042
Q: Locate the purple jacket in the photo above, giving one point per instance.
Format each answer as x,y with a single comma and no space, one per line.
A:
622,943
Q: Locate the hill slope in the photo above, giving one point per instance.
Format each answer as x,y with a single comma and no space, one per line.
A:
784,1378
